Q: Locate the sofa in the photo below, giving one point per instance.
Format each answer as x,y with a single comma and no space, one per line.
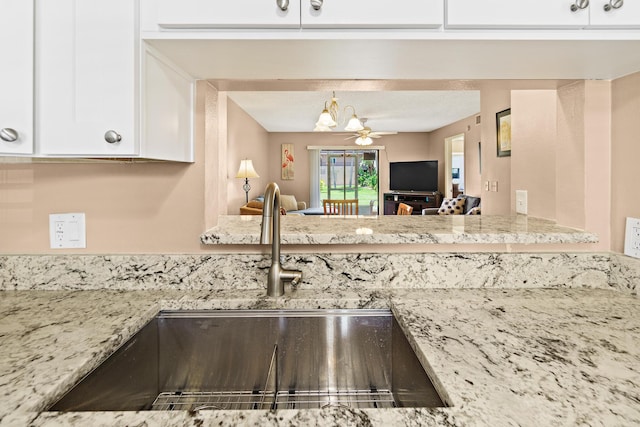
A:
461,205
288,204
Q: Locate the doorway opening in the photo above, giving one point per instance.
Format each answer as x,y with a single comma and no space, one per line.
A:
454,165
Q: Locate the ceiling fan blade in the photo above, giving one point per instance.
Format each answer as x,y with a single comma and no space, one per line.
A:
351,137
385,133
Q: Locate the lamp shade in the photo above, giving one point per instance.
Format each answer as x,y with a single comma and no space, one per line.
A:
246,170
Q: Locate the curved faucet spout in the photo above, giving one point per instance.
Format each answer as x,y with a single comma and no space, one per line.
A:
270,234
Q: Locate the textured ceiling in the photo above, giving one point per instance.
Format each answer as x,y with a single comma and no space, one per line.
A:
396,111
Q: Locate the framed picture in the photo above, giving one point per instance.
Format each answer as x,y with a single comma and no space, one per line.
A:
503,130
288,170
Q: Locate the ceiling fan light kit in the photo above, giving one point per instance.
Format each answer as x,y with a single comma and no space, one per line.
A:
364,140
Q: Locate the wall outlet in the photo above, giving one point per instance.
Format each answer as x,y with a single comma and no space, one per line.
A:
521,202
67,231
632,238
494,186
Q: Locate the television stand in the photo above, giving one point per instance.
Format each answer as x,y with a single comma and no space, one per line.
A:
417,200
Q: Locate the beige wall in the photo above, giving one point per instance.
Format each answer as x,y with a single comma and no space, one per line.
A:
570,146
625,156
472,136
495,97
583,152
533,162
597,159
246,140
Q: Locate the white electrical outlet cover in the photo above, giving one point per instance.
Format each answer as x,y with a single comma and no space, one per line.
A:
521,202
67,231
632,238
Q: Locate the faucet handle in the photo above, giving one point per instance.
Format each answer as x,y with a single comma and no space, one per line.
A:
293,276
296,280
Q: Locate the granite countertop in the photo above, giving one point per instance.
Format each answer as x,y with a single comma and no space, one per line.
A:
525,357
391,229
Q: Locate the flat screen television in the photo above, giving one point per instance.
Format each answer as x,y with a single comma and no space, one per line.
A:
413,176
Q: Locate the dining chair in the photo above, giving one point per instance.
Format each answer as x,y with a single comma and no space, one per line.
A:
340,207
404,209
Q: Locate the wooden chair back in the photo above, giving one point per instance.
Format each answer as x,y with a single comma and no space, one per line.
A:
340,207
404,209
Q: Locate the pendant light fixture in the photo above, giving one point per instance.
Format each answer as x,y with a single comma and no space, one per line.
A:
329,119
325,121
354,124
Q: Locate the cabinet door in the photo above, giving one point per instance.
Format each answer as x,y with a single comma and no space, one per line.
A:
86,77
228,14
16,77
515,14
625,15
373,14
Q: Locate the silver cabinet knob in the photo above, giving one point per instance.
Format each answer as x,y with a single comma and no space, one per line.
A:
613,4
316,4
283,4
579,4
8,134
112,137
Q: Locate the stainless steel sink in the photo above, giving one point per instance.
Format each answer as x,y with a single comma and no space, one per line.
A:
255,359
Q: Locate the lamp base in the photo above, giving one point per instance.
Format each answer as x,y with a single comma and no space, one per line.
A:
246,187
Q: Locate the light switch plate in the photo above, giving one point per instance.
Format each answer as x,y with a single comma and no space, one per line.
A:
67,231
632,238
521,202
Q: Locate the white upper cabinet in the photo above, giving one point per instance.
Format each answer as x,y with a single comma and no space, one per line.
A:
516,14
228,14
86,78
16,77
372,14
283,14
615,13
98,95
550,14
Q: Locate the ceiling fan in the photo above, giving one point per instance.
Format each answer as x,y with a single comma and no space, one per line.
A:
363,137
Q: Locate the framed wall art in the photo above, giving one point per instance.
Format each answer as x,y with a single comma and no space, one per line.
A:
503,130
288,169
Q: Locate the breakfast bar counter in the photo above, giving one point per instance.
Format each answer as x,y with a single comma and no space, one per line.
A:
525,357
394,229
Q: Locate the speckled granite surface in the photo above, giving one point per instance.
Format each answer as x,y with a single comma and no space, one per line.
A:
390,229
322,272
529,357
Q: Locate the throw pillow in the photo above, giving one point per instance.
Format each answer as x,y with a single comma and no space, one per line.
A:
288,202
451,207
475,211
255,204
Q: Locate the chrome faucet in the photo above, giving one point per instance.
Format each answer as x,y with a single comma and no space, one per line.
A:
270,233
